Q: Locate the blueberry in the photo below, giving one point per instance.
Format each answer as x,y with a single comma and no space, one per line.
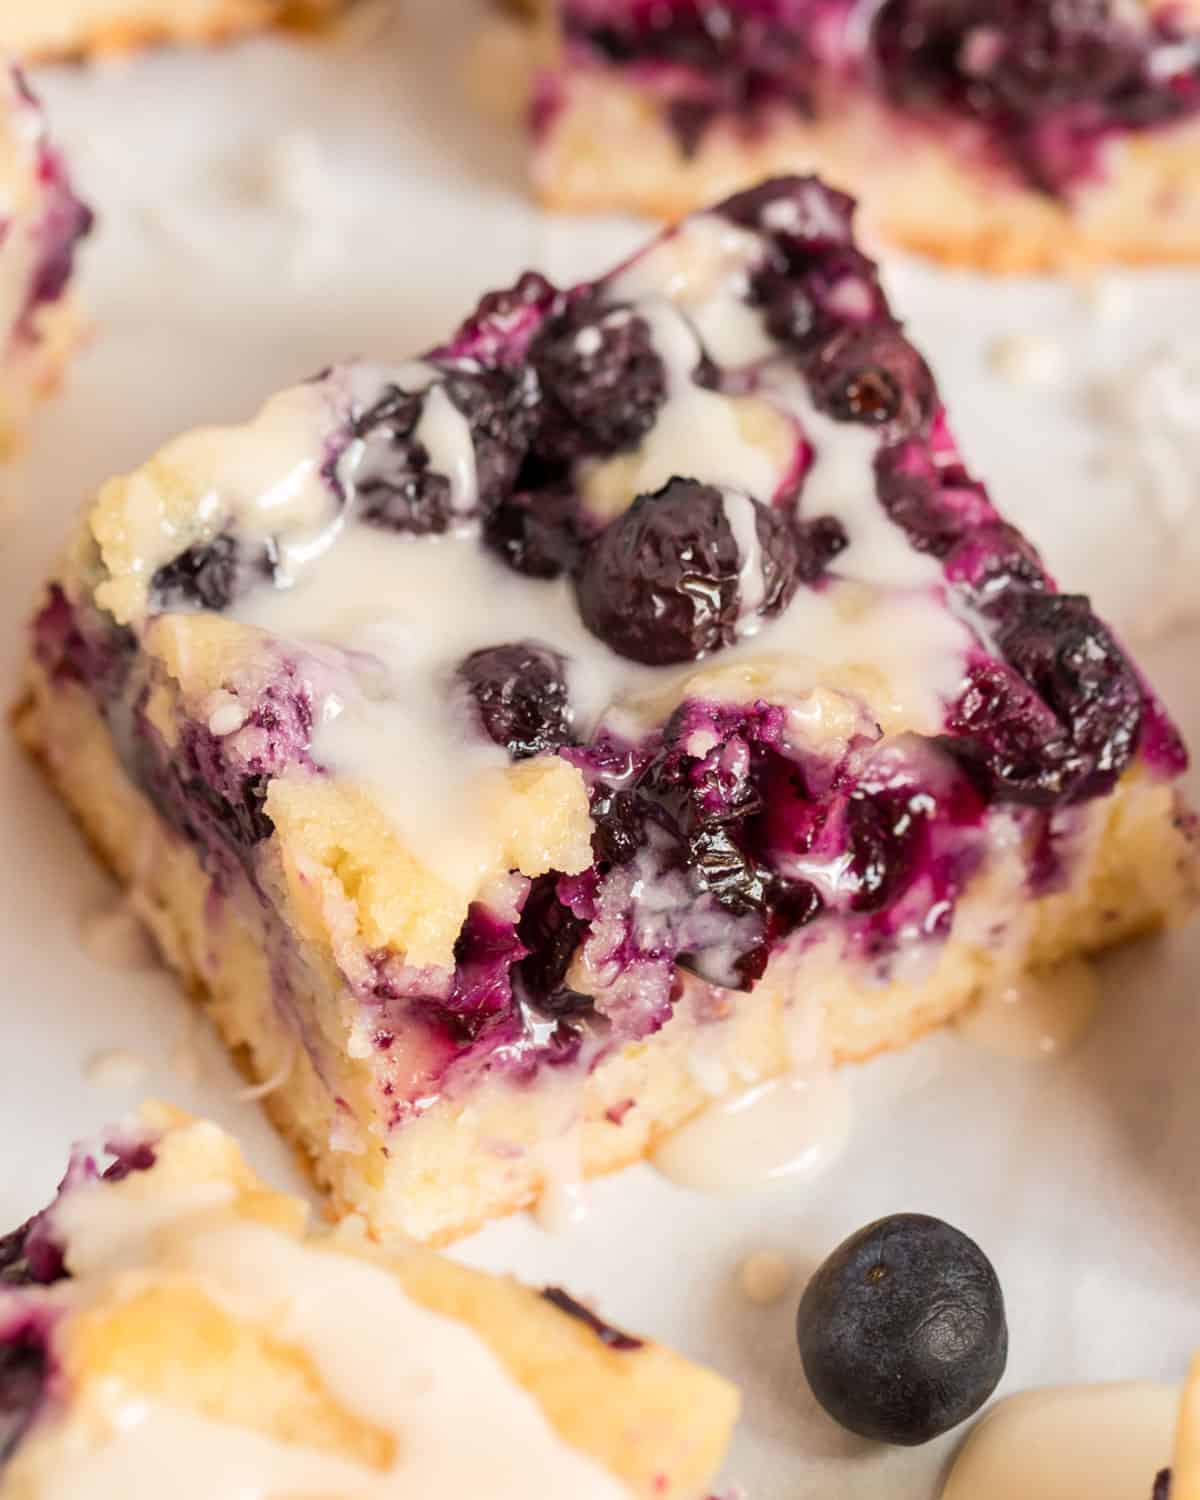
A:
803,307
872,375
902,1330
1162,1485
884,831
603,380
24,1370
1067,724
520,692
818,542
204,577
500,328
992,559
552,933
934,503
1005,58
1061,648
662,583
537,533
799,214
395,486
392,477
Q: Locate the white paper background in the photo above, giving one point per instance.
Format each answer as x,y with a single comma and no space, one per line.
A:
273,207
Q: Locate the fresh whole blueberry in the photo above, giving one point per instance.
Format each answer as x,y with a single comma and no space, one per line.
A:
204,576
520,692
663,583
602,377
1162,1485
902,1330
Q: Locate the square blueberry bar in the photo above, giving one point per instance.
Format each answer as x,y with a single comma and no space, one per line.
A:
634,698
169,1324
1004,133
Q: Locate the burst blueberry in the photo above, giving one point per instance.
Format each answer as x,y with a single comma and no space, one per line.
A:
204,576
603,380
520,693
662,583
873,376
392,474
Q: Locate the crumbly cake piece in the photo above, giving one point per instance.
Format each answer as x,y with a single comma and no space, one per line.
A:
40,29
632,700
171,1324
1010,134
41,225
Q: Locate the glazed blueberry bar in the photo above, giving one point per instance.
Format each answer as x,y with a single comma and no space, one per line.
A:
170,1325
1005,133
40,226
630,701
66,28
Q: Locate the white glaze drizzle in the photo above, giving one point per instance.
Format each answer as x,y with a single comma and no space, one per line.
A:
461,1425
791,1126
400,612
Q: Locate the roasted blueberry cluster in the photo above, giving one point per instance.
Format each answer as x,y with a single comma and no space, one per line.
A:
1046,78
735,57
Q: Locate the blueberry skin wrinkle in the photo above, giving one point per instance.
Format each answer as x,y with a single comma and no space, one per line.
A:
902,1330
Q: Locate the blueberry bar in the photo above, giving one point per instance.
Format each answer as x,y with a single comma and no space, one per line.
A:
1010,134
170,1325
633,699
68,28
41,224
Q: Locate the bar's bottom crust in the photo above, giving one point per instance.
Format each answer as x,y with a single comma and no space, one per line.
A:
55,29
608,148
495,1149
